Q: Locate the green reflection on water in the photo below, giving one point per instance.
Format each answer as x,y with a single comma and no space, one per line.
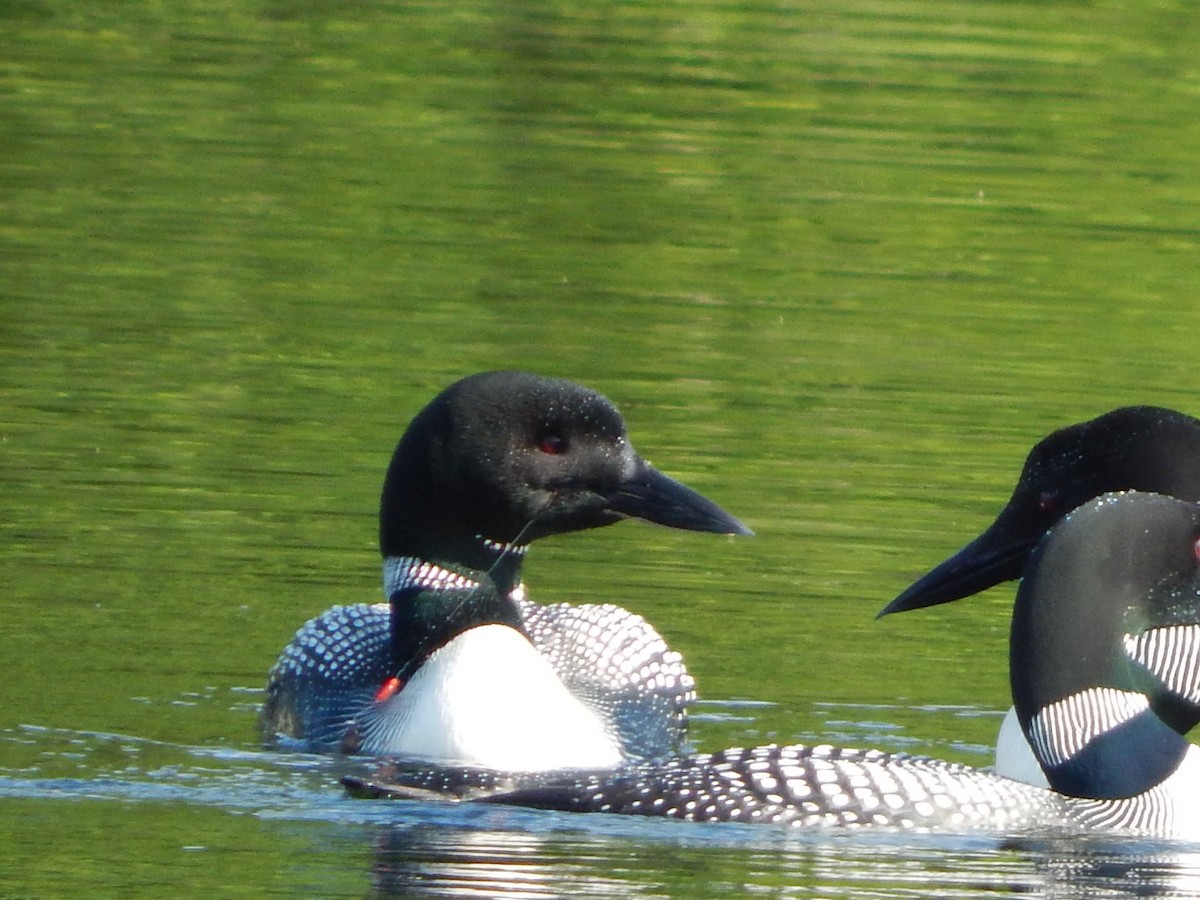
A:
64,848
839,268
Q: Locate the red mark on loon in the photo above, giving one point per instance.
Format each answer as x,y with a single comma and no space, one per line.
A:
388,689
553,443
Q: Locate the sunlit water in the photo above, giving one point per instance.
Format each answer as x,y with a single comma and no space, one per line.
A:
71,779
840,268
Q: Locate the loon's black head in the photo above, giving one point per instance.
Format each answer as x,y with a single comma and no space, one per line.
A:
1143,448
501,458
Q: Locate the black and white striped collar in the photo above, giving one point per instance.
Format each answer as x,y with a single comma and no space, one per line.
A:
402,573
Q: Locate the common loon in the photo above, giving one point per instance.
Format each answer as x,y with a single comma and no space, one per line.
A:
1139,448
458,665
1144,448
1106,617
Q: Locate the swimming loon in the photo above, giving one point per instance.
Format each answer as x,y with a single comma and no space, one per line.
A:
1106,617
459,665
1141,448
1144,448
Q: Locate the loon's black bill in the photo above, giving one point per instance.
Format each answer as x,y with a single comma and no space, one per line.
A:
654,497
995,556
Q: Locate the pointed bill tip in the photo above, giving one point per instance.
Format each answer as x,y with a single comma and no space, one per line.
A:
654,497
982,564
913,598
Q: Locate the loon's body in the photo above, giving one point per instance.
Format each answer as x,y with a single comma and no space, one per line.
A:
1140,448
1106,624
457,665
611,662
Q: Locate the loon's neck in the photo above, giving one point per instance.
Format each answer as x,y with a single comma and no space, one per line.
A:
403,573
431,604
489,560
433,508
1084,702
470,686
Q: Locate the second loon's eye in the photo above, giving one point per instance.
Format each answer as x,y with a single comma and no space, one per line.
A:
1048,501
552,443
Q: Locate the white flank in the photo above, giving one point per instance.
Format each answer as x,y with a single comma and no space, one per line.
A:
1014,756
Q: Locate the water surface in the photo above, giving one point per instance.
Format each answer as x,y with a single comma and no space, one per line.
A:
840,268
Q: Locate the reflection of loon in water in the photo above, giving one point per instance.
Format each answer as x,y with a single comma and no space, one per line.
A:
530,855
1106,626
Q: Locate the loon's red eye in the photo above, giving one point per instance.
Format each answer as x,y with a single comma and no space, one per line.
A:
1048,501
553,443
1196,549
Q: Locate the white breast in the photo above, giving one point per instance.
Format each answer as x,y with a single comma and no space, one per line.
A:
1180,792
1014,756
490,699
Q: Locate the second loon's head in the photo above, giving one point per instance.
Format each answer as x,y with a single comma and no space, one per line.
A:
499,459
1106,623
1143,448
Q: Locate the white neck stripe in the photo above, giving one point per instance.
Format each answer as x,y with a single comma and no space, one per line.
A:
404,572
1061,730
1172,654
502,548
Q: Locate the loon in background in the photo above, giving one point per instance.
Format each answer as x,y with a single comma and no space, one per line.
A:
1143,448
1107,619
458,666
1135,448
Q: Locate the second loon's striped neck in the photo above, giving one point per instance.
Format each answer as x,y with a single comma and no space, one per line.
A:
1108,576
